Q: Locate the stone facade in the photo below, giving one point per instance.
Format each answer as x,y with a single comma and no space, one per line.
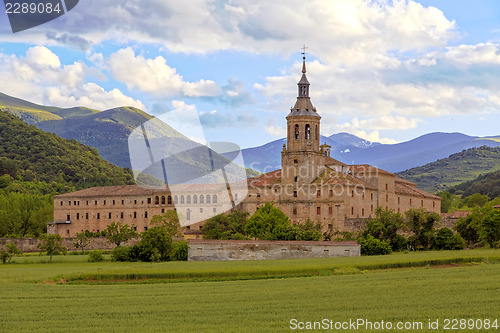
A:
310,185
211,250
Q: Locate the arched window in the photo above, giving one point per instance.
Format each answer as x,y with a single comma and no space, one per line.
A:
162,199
208,199
182,200
296,131
169,200
316,133
195,199
157,200
188,199
308,132
214,198
202,199
175,200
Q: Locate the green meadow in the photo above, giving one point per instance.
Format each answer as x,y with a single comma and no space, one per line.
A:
72,295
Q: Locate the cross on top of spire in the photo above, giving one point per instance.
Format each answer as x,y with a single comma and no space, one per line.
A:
304,48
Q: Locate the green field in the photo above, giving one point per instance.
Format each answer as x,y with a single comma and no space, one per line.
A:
255,305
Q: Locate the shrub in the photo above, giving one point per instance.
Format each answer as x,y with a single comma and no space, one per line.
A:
180,251
447,240
121,253
95,256
372,246
155,245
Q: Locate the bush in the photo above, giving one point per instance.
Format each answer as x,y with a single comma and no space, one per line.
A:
95,256
121,253
447,240
180,251
372,246
155,245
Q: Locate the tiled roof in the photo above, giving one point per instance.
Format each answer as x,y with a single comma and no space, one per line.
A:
134,190
332,177
404,188
267,179
366,168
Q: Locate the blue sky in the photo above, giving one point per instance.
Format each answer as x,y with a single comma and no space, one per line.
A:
386,71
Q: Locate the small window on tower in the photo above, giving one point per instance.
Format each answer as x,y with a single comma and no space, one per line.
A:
297,132
308,132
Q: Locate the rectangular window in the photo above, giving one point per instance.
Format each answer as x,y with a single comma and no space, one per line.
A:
104,202
386,187
95,202
371,208
109,215
295,179
145,228
295,212
135,202
121,215
68,217
371,196
74,203
433,204
352,211
69,203
61,203
294,194
258,195
201,210
386,198
146,214
135,228
86,216
362,212
87,202
98,216
123,202
77,216
330,193
318,210
113,202
421,203
330,210
352,194
163,210
149,200
318,193
135,215
399,200
215,210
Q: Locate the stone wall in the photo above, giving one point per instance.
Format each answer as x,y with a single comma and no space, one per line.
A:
212,250
96,243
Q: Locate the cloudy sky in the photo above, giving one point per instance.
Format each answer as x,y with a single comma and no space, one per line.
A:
386,71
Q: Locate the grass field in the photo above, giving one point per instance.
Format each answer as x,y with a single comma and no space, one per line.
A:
262,305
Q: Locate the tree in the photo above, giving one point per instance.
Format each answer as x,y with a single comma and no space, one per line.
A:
118,233
81,240
231,226
447,240
9,251
385,226
155,245
268,222
446,202
51,244
469,227
168,221
421,224
490,228
477,200
372,246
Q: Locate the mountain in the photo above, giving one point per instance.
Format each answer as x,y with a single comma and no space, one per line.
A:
455,169
350,149
30,154
268,157
107,131
488,184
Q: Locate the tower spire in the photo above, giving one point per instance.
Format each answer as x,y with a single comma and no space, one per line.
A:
304,48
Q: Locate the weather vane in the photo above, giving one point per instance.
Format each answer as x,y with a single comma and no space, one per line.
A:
304,48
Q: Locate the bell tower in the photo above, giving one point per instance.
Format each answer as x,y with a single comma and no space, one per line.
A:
301,158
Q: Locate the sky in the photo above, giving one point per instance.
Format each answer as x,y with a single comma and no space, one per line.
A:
386,71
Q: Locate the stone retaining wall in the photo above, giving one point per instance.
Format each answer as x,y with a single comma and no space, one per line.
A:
211,250
96,243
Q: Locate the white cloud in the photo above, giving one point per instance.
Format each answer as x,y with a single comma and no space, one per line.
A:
154,76
39,77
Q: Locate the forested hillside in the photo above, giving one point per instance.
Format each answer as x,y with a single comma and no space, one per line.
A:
29,154
455,169
487,184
